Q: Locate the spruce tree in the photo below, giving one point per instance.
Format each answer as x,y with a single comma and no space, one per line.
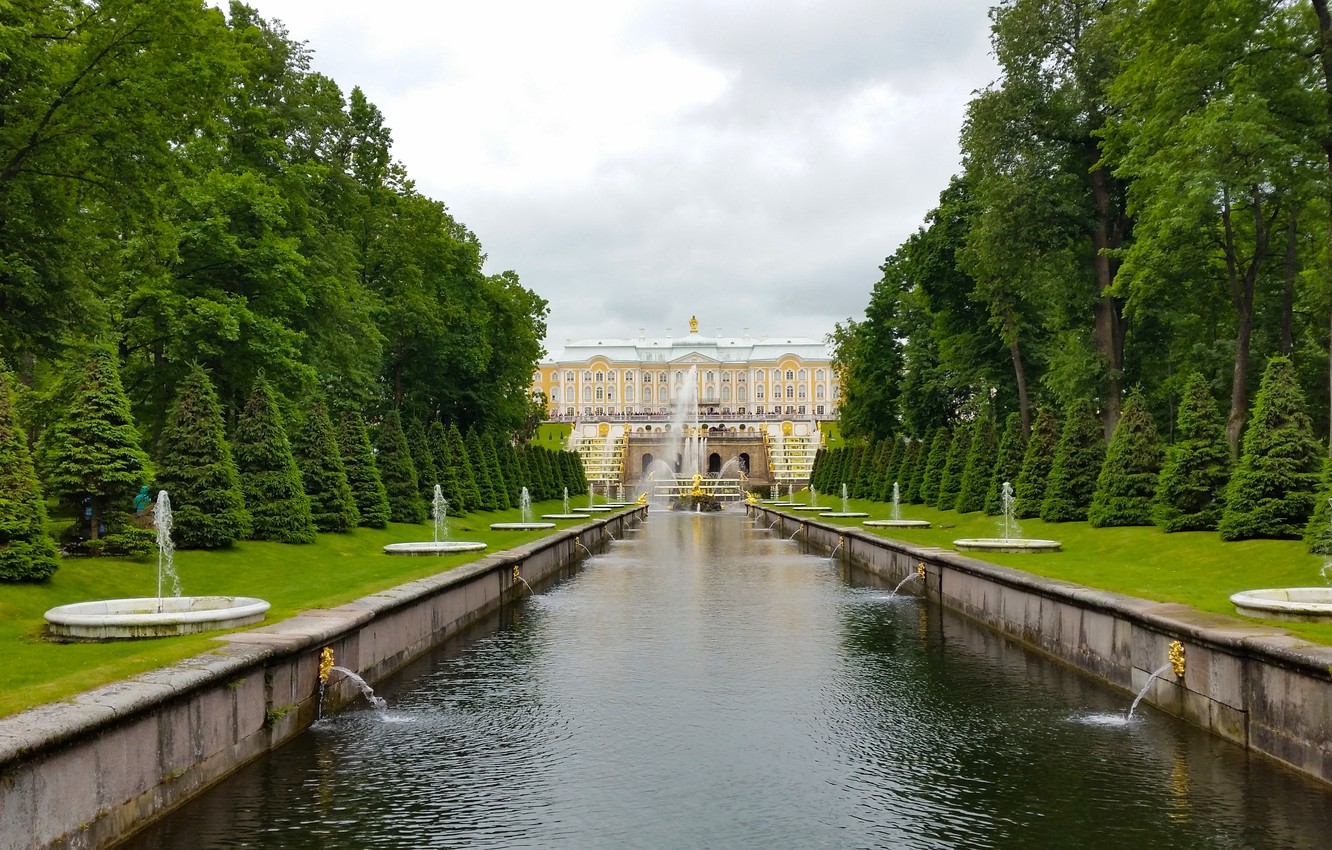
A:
1318,531
446,467
508,459
817,469
270,480
1007,465
427,473
935,462
496,473
358,459
950,479
27,552
1127,481
1273,490
458,454
525,474
394,459
93,463
914,468
1077,463
896,453
1190,494
1029,490
323,473
853,472
580,473
883,460
198,471
979,469
484,482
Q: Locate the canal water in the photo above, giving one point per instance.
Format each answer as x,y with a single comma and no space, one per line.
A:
704,684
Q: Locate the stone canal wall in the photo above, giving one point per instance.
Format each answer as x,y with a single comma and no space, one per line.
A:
85,772
1254,685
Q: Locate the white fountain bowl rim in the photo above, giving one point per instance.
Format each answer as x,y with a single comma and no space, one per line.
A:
1286,599
520,526
178,609
1007,542
897,523
564,516
443,546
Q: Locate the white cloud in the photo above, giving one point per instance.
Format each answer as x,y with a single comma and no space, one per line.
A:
639,162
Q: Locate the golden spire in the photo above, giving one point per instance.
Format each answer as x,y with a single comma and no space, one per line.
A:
693,324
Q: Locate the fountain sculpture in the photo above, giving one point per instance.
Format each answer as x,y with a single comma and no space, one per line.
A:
154,616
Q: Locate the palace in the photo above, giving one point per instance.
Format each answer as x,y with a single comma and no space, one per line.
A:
741,378
756,406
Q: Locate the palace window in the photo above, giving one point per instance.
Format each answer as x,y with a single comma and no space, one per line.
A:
790,376
800,391
819,410
726,393
647,377
661,394
741,378
628,393
601,377
662,377
628,376
610,376
837,392
818,376
710,378
587,393
741,394
726,377
818,391
536,377
569,376
554,393
710,394
601,395
587,376
758,393
610,394
790,392
802,374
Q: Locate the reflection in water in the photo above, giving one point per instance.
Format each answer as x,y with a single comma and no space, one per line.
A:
699,686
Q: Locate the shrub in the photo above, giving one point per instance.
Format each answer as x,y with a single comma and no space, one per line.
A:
934,466
27,552
1077,463
398,473
950,480
1029,492
358,459
270,479
331,502
1007,465
979,468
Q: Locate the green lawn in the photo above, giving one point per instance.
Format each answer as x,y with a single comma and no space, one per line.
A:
336,569
553,435
1194,568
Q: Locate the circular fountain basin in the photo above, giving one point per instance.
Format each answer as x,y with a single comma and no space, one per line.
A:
443,547
595,509
520,526
150,617
897,523
1006,544
843,514
1292,604
802,508
615,506
564,516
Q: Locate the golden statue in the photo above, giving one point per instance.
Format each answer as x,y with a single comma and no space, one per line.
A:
693,324
698,486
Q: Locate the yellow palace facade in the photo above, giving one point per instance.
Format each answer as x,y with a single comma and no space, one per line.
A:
740,378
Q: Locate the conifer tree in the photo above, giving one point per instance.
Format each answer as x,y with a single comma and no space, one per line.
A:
580,473
548,483
358,458
27,552
1126,484
1318,531
853,471
1029,491
1077,463
496,474
331,502
1273,490
270,479
816,471
427,474
93,462
870,468
1190,494
484,482
470,492
914,469
394,459
950,479
508,459
525,474
1007,465
896,452
935,462
447,468
883,457
198,471
979,468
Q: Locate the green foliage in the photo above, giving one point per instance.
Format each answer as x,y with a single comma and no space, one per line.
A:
1190,494
27,552
446,466
92,459
423,459
935,463
331,501
394,459
1272,491
1007,465
890,456
508,461
197,470
1029,491
270,479
1077,463
358,459
858,453
950,478
979,469
1318,532
495,473
486,484
913,471
459,455
1126,485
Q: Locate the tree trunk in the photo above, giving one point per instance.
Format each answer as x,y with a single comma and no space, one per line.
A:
1325,58
1241,295
1109,312
1019,373
96,517
1288,291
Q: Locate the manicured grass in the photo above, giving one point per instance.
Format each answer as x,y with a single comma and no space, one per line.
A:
336,569
1194,568
553,435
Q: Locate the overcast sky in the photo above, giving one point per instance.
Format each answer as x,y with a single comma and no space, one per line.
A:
639,161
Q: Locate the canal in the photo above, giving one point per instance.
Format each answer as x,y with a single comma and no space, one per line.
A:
704,684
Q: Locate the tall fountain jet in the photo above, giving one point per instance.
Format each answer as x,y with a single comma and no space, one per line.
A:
687,440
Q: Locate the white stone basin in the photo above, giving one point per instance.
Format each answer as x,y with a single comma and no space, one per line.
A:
597,509
802,508
1005,544
149,616
520,526
897,523
444,547
1293,604
564,516
843,514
